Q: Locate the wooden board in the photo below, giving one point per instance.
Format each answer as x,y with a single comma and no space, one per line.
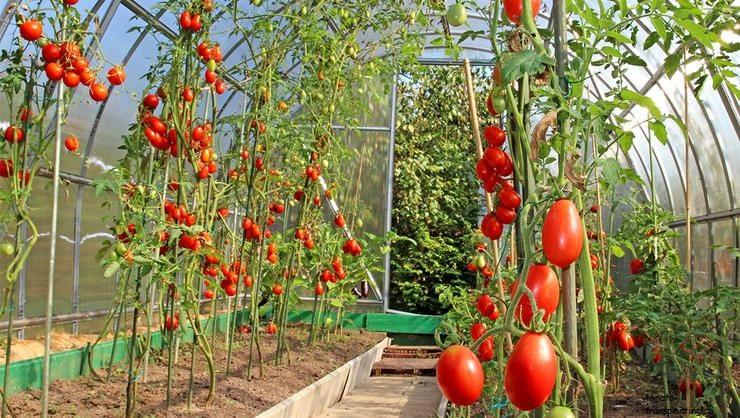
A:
407,396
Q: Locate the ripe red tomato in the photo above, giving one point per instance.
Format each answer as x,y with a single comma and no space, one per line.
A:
318,290
271,328
507,168
489,105
208,294
220,87
485,305
594,208
485,350
277,289
13,134
72,143
98,92
339,220
151,101
476,330
460,375
495,136
210,76
513,9
491,227
186,19
494,157
54,71
6,168
71,79
171,323
562,233
87,77
483,170
31,30
637,266
187,94
51,52
230,290
625,341
495,314
116,75
505,215
531,371
544,285
509,198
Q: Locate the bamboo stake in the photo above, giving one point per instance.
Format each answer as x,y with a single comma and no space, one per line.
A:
489,200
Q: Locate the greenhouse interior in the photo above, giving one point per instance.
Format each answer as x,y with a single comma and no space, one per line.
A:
355,208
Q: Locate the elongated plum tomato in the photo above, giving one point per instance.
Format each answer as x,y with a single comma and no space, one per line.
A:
514,8
543,283
531,371
562,234
460,375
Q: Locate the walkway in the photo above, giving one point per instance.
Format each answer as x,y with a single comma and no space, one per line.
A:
390,396
402,385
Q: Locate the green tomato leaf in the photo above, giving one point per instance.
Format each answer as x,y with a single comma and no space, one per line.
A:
643,101
516,65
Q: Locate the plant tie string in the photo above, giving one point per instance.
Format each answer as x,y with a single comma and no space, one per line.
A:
135,377
500,404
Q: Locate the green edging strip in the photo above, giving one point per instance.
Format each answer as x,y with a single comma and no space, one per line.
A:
379,322
27,374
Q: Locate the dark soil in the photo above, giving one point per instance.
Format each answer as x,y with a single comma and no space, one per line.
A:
235,395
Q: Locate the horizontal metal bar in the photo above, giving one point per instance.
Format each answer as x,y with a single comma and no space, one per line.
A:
717,216
456,62
72,178
88,315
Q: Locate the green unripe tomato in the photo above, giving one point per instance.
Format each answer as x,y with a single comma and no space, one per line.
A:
499,104
120,248
304,10
457,15
480,261
358,223
256,2
211,65
325,163
7,249
561,412
328,321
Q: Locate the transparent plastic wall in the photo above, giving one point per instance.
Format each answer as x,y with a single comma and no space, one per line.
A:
80,286
713,120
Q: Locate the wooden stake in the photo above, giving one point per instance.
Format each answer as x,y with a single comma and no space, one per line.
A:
489,200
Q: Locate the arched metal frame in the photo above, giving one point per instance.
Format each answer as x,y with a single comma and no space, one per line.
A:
480,53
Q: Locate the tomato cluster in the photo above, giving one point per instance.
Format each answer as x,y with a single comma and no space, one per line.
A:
66,62
351,246
492,171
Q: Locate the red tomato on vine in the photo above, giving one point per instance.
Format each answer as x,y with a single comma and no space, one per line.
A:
531,371
460,375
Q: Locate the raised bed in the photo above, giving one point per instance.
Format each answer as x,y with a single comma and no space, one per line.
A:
330,389
85,396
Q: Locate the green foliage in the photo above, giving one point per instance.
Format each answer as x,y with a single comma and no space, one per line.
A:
686,326
435,195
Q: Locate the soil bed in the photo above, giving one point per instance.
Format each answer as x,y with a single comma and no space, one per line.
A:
235,395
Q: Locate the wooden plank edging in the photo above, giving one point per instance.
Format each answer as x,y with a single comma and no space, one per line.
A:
330,389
